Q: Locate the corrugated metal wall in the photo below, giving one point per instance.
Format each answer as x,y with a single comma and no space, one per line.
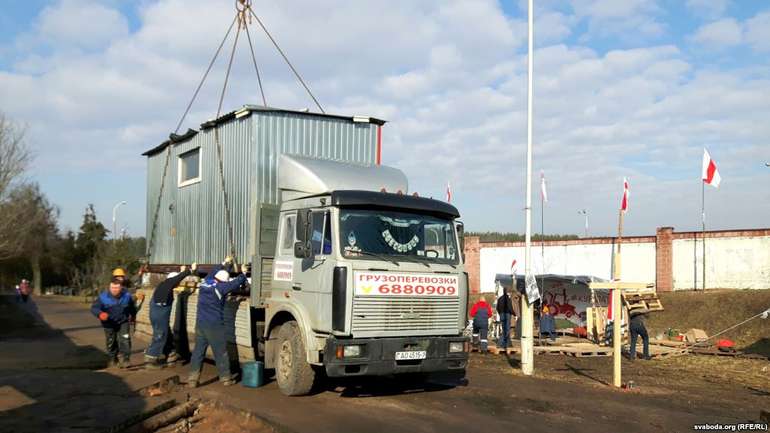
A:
191,222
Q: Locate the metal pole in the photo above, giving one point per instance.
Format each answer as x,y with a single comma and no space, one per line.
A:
527,319
703,227
617,312
542,232
584,212
115,219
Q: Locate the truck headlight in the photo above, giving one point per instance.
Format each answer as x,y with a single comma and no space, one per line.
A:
351,351
456,347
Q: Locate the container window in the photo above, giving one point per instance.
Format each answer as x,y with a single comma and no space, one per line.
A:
287,242
190,167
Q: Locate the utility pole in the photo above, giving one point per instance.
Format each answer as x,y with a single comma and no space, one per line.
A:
527,319
584,212
115,219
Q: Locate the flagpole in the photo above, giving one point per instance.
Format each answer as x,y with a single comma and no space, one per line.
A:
527,319
542,230
703,228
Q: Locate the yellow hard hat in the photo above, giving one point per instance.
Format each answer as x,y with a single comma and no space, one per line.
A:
118,272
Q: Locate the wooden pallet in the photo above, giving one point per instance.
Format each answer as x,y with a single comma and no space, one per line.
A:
736,354
642,301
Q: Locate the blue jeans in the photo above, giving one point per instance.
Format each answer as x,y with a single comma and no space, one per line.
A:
505,322
636,331
214,335
162,342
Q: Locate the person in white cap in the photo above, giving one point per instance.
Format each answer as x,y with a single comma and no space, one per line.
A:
209,325
162,345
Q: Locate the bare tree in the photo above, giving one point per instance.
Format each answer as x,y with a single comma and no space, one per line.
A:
15,156
36,227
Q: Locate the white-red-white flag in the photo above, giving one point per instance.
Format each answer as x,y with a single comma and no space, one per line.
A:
448,193
626,193
543,192
710,174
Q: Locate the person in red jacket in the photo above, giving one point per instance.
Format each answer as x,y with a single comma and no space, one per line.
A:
481,311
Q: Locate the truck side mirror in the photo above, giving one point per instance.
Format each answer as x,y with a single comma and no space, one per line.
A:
303,250
460,227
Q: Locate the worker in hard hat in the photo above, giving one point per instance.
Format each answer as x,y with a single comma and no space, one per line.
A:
481,311
119,274
209,325
162,345
116,308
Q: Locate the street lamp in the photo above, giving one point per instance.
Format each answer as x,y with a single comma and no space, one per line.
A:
584,212
115,219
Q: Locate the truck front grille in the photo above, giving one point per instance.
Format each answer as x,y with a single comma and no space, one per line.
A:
421,314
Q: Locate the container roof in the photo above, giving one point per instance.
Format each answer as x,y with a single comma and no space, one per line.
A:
245,111
305,177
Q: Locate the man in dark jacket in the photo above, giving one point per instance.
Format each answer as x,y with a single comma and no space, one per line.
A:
505,310
209,326
481,311
637,328
162,344
115,308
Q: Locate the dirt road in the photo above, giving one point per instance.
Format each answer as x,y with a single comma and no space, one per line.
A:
566,393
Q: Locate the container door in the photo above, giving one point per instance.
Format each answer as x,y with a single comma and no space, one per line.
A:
313,276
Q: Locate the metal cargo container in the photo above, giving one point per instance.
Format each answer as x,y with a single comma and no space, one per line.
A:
191,223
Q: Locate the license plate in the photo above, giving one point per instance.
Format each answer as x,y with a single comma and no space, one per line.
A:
412,354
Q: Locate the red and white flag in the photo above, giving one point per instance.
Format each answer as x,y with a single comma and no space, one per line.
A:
448,193
710,174
543,192
626,193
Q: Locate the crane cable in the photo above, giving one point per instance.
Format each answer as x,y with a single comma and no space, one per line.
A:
156,213
243,19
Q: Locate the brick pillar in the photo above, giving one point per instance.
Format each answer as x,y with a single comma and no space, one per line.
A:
664,261
472,253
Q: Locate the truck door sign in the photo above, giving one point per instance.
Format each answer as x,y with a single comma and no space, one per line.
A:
283,270
396,284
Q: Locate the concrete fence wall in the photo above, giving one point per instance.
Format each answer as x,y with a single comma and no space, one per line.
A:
734,259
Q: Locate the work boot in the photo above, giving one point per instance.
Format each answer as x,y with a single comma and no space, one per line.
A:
123,363
172,358
152,363
112,363
192,380
228,380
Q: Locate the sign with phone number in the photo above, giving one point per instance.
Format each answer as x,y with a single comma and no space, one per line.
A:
395,284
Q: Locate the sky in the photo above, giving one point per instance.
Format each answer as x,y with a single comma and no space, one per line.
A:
633,88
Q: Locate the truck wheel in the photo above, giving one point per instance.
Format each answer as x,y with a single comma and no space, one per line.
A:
292,371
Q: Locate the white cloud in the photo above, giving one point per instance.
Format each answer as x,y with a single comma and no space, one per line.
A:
631,20
80,23
728,32
724,33
758,32
708,8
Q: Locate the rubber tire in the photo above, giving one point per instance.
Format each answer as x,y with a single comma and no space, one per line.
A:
292,371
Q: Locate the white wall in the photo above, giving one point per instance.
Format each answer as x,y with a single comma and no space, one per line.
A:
732,263
638,262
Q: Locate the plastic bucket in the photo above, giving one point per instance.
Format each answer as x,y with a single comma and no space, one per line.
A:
253,374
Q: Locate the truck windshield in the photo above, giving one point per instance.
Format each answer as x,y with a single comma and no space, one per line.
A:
397,235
